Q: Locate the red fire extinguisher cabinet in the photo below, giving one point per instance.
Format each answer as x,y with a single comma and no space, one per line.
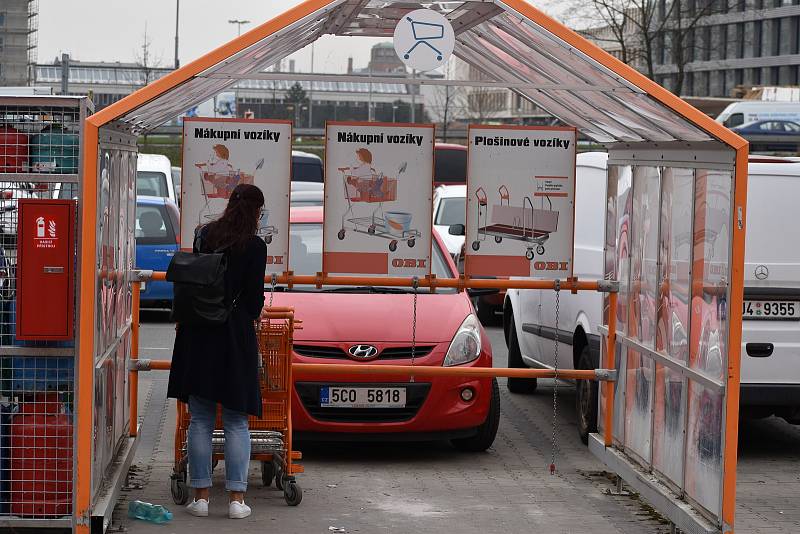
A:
45,269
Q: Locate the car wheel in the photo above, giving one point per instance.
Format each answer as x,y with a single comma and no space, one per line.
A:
517,385
586,399
484,438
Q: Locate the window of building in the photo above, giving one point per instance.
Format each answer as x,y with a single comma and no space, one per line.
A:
758,27
774,74
739,40
707,44
2,18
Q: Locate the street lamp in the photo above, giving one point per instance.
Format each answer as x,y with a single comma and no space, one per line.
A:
394,112
239,24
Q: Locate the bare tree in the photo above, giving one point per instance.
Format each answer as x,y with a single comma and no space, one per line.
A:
145,59
485,102
637,31
448,104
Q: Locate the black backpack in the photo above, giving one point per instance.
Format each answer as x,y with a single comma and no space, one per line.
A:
199,286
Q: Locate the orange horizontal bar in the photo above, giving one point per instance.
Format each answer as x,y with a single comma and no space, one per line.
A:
399,281
312,369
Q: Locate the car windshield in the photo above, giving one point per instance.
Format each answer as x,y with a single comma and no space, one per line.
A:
151,183
153,227
176,181
306,171
451,166
451,211
305,254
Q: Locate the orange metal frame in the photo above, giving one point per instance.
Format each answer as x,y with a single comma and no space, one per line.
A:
88,275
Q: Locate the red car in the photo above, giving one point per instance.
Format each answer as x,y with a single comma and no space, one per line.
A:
373,325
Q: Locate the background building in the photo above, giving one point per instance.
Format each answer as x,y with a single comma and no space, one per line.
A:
18,26
722,48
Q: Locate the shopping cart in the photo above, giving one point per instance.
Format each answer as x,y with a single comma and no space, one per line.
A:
270,434
221,185
524,223
266,231
375,189
424,32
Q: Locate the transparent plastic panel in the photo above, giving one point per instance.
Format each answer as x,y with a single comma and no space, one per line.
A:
677,194
708,336
640,372
624,207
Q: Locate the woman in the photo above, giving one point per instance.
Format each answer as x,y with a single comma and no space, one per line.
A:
214,365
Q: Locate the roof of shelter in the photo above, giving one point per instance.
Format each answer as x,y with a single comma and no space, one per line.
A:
510,41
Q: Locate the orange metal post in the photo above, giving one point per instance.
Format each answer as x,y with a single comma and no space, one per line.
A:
735,342
133,378
608,423
84,404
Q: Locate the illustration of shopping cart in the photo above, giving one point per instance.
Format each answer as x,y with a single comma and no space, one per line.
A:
265,230
524,223
423,33
376,189
217,184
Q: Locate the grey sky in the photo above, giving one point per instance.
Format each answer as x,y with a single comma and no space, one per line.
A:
113,30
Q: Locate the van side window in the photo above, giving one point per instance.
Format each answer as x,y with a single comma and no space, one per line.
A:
734,120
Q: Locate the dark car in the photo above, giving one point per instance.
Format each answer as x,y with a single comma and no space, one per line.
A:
768,127
771,135
306,167
451,164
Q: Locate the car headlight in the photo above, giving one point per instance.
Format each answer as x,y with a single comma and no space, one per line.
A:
466,344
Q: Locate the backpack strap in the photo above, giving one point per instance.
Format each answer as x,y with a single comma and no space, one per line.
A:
199,241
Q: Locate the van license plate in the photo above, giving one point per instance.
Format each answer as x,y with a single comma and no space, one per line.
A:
346,397
771,309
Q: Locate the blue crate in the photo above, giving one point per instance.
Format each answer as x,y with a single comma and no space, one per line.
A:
39,373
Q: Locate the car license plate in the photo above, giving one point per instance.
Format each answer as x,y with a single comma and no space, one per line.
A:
771,309
352,397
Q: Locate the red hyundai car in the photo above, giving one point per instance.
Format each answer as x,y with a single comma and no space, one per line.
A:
373,324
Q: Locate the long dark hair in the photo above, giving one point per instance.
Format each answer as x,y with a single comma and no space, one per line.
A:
239,221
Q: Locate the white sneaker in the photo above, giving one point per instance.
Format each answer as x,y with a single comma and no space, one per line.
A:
238,510
198,508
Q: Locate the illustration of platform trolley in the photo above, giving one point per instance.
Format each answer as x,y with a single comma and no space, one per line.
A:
375,189
524,223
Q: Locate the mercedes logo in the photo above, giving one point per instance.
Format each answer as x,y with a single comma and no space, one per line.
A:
762,272
363,352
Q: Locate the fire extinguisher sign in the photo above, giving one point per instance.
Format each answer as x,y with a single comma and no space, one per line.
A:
46,233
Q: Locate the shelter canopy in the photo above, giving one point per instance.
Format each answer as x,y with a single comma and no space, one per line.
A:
508,42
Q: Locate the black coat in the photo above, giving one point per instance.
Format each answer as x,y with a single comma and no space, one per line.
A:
220,363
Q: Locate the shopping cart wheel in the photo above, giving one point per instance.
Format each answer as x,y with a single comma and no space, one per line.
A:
341,235
540,250
411,243
179,489
392,245
529,254
371,229
268,239
498,239
293,494
267,473
476,245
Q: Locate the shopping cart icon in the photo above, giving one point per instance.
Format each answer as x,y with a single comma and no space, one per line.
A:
424,32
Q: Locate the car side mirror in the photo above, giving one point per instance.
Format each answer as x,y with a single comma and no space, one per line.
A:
457,229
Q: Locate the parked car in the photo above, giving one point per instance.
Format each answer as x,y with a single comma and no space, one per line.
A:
306,167
449,208
769,127
373,324
450,164
739,113
770,372
154,177
157,240
176,182
307,194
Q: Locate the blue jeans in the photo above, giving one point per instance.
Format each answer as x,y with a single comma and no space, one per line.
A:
237,445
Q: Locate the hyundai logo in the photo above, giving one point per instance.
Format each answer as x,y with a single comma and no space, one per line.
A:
762,272
363,352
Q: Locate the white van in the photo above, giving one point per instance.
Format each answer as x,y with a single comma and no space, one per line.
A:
770,379
756,110
154,177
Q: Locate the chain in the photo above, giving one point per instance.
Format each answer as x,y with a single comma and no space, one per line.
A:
555,381
415,285
272,288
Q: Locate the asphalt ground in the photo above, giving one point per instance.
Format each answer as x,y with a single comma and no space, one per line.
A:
422,487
